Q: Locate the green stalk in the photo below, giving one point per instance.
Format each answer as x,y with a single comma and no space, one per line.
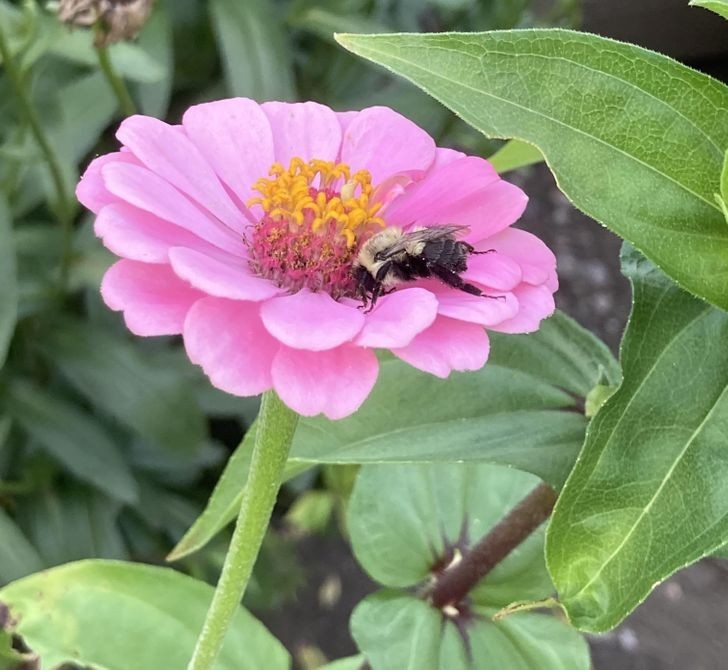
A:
65,206
126,104
275,427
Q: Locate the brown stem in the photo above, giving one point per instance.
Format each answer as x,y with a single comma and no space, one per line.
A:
457,581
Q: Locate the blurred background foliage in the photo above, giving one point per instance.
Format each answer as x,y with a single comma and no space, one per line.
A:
110,445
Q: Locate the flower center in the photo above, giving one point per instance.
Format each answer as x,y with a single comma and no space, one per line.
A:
315,217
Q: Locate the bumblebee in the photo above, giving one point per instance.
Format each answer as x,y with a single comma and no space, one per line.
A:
393,256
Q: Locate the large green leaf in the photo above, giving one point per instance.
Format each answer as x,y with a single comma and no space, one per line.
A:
72,437
717,6
149,399
18,558
117,616
634,139
8,282
407,522
648,494
509,412
254,50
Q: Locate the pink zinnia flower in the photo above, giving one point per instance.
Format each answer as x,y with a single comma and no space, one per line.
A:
238,229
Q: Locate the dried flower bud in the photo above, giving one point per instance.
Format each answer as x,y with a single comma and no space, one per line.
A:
115,20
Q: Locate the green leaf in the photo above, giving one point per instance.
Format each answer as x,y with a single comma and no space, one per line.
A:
717,6
72,437
8,282
634,139
506,413
648,494
513,155
70,522
18,557
396,630
156,39
408,522
10,659
724,176
349,663
114,376
254,49
99,613
311,511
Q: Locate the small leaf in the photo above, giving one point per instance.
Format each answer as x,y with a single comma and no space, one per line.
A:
18,557
311,511
395,630
255,53
597,397
99,613
407,521
634,139
717,6
8,282
72,437
350,663
515,154
648,494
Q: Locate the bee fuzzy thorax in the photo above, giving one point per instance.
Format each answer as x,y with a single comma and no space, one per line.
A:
393,256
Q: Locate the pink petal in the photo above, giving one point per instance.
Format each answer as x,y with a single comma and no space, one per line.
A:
494,271
334,382
154,300
236,139
483,310
497,207
91,190
304,129
537,261
168,152
345,118
444,155
385,143
148,191
445,346
138,235
312,321
535,303
219,278
444,193
397,318
227,339
467,192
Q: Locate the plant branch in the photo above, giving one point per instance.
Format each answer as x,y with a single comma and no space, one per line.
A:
274,434
456,582
126,104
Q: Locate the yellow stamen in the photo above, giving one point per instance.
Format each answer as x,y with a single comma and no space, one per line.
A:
310,194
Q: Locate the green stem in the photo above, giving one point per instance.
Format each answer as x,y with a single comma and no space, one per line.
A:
275,427
126,104
65,206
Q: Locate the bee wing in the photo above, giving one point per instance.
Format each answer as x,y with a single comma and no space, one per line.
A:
421,235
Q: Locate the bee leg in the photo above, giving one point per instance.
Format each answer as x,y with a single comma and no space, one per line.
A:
478,253
376,292
453,279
